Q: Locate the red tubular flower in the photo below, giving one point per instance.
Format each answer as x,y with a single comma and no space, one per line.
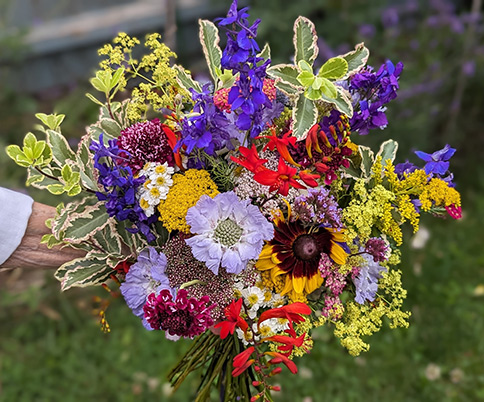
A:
250,159
242,362
280,180
309,179
232,312
280,358
281,144
293,312
172,140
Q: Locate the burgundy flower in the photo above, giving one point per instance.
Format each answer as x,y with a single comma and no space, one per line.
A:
145,142
184,316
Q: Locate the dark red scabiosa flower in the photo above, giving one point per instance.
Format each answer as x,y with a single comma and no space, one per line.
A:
144,142
183,317
295,252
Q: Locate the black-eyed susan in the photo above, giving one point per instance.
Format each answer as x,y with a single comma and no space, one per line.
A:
295,252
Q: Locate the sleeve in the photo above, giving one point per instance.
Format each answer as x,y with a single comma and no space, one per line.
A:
15,211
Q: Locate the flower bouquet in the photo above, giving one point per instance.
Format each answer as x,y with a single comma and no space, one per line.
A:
240,213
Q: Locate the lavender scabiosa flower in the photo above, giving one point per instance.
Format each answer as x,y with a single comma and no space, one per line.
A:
318,206
145,277
228,232
366,281
180,315
145,142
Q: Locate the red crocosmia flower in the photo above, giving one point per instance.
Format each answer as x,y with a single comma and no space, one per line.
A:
454,211
232,312
242,362
312,140
280,180
288,342
309,178
280,358
281,144
172,140
293,312
250,159
123,267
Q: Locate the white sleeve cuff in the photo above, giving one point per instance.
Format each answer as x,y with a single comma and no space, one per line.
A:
15,211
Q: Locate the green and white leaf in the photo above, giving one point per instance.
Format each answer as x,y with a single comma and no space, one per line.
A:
81,226
388,151
14,152
82,272
110,127
185,80
288,89
328,88
264,54
285,73
61,151
304,116
334,69
306,79
52,121
85,163
356,59
342,102
305,41
209,38
367,160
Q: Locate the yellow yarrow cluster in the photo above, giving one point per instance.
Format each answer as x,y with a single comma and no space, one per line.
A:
185,192
362,320
159,86
438,193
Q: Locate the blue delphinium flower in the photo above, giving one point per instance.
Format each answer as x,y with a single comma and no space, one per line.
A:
247,98
228,232
438,162
366,282
144,277
209,130
120,187
370,92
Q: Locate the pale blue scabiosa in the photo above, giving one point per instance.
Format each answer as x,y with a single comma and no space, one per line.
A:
366,281
145,277
228,232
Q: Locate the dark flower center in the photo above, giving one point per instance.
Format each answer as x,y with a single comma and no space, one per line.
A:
306,248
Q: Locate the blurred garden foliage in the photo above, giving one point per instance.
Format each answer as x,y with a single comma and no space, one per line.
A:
51,346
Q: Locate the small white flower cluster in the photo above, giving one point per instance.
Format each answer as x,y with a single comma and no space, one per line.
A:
156,187
255,298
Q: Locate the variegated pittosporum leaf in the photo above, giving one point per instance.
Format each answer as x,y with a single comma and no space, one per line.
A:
356,59
209,38
33,153
304,116
305,41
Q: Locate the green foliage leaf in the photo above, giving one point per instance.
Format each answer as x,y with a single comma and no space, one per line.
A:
388,150
209,38
61,150
313,94
185,79
52,121
328,88
99,81
84,160
304,116
306,78
114,81
82,272
264,54
367,160
81,226
14,152
342,102
305,66
285,73
288,89
92,98
334,69
110,127
356,59
56,189
305,41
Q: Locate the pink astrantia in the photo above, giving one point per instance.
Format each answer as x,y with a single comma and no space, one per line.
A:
183,317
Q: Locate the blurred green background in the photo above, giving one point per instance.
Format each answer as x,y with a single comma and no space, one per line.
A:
51,346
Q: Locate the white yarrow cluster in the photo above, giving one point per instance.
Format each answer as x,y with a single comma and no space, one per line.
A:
156,187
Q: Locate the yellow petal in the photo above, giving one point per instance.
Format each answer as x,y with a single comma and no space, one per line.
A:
313,283
338,254
287,286
298,284
264,264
